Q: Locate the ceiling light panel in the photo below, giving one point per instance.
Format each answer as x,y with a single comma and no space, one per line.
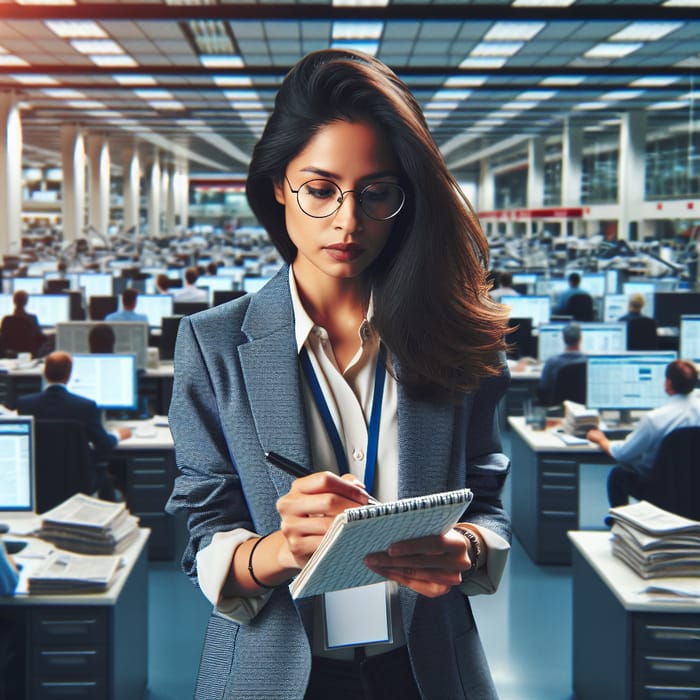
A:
514,31
78,29
609,49
357,30
646,31
211,37
101,47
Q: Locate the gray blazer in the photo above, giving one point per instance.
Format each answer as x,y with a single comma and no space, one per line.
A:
237,394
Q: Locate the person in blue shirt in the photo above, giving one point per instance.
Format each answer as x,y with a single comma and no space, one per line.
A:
573,290
8,572
636,454
572,353
127,312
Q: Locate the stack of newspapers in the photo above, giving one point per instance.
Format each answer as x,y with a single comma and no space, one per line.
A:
654,542
578,419
89,525
64,572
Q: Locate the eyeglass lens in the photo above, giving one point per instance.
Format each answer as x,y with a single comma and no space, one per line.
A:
379,200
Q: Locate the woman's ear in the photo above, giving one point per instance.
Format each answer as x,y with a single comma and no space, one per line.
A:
279,191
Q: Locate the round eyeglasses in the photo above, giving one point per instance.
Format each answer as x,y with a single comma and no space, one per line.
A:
322,198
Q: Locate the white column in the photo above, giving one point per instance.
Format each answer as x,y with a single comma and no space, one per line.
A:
535,173
98,182
73,193
154,189
10,175
182,196
131,180
630,171
571,155
169,185
486,187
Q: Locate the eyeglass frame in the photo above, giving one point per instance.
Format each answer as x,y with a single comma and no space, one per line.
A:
342,197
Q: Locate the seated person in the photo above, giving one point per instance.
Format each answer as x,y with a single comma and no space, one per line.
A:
504,288
162,283
127,312
189,292
56,402
25,335
572,354
562,305
636,454
8,572
634,308
101,339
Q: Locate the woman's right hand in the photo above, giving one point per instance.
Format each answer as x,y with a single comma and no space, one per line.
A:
309,508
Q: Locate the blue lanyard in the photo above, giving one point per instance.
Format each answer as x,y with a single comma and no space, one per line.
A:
332,430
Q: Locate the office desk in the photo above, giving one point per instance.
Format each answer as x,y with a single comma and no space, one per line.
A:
545,478
522,388
149,472
628,645
92,646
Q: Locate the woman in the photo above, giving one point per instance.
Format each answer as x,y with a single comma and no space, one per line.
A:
381,318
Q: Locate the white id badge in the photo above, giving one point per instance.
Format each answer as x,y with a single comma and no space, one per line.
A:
357,616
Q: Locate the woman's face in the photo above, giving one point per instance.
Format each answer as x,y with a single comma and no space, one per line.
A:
344,244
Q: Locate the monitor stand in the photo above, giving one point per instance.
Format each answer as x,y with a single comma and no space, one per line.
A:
625,417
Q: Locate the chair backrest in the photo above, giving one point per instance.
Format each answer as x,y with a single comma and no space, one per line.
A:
185,308
520,339
20,334
675,477
64,461
580,306
641,334
570,384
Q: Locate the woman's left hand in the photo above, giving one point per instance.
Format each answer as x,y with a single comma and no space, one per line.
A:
430,566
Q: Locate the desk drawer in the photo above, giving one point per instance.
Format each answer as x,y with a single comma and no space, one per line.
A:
68,690
678,670
668,692
150,470
148,498
69,627
69,664
668,633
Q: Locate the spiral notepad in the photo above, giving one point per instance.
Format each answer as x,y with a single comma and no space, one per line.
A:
338,562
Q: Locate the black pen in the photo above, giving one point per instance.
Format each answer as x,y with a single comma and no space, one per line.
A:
296,470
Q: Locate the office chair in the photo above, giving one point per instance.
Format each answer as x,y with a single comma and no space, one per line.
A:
580,306
168,335
674,484
520,339
101,305
19,334
64,461
185,308
641,334
569,384
221,296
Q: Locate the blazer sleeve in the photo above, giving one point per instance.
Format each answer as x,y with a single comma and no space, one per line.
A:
208,488
101,440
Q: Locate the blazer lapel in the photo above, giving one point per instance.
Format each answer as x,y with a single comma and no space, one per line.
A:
270,367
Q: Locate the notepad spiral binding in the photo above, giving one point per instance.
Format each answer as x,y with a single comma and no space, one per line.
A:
406,504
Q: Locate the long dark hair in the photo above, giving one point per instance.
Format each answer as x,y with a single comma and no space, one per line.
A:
431,302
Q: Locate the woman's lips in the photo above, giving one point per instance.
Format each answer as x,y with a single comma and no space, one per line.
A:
344,252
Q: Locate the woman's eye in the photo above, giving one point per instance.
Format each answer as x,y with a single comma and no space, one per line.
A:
321,192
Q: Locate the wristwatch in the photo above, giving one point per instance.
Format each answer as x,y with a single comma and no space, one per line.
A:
474,550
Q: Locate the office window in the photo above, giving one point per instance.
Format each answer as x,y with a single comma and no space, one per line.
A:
552,182
599,178
673,167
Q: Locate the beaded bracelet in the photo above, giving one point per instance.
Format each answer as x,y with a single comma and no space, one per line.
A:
475,549
256,580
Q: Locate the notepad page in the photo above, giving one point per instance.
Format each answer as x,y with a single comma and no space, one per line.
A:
338,563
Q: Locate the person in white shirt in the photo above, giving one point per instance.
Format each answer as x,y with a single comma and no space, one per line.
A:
375,358
189,291
504,288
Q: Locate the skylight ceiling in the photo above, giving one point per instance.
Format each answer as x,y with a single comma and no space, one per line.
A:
197,81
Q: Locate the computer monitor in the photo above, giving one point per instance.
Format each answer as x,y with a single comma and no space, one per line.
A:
155,306
627,381
221,297
31,285
168,335
253,283
596,338
50,309
538,308
17,477
6,305
614,306
527,278
646,289
236,272
552,286
130,337
594,283
99,306
689,342
214,282
670,306
665,284
612,281
109,380
96,283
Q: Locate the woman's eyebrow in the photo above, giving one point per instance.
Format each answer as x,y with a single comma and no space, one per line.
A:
334,176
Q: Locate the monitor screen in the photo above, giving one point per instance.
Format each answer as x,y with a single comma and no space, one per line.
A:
614,306
528,278
670,306
553,287
129,337
690,338
538,308
612,281
596,338
109,380
646,289
31,285
96,284
214,282
6,305
50,309
594,283
17,463
155,306
627,381
253,284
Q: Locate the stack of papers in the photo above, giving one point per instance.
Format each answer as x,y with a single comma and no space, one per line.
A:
62,572
578,419
656,543
89,525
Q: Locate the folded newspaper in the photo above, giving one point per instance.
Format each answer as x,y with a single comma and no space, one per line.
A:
89,525
654,542
578,419
64,572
